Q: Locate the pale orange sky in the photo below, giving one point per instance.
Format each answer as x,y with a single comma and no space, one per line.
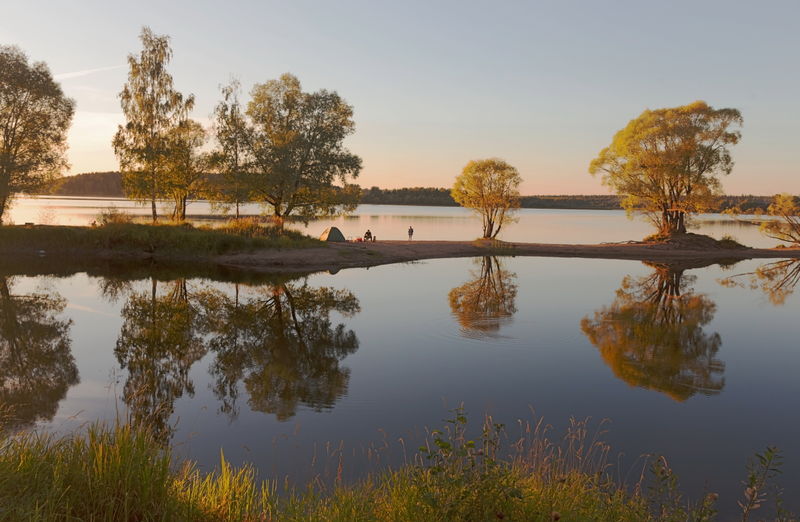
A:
542,85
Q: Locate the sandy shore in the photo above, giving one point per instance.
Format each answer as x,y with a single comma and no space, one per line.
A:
335,256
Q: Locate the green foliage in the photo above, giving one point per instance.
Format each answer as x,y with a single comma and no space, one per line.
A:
167,240
184,165
153,110
666,162
231,160
463,479
286,151
490,187
759,486
34,118
125,474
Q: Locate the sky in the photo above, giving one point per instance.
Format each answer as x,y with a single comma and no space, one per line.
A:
434,84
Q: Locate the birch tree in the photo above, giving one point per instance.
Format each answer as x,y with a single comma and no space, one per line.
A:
153,108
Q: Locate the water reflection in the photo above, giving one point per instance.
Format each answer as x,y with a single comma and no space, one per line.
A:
36,363
777,279
487,302
277,339
652,335
158,343
281,344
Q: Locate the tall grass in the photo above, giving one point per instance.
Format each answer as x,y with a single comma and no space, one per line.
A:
118,235
123,474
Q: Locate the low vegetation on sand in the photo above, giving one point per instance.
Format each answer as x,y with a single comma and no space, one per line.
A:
241,235
692,241
124,474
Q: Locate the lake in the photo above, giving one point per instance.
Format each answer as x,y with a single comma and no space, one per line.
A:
304,376
430,223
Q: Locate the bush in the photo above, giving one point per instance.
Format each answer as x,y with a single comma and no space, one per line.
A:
113,216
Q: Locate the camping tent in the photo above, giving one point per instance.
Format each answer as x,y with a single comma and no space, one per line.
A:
332,234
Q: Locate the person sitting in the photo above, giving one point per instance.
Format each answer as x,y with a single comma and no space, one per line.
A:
367,235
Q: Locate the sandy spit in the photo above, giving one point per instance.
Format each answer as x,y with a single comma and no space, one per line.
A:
335,256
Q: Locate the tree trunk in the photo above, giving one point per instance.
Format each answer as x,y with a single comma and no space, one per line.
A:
488,229
673,222
3,202
278,220
153,198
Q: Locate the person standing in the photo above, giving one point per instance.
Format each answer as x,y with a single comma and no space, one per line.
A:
410,233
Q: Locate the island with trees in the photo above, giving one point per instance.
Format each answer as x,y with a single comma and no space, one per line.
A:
283,148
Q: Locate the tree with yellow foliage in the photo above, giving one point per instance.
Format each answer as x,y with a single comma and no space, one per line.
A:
490,187
787,228
667,162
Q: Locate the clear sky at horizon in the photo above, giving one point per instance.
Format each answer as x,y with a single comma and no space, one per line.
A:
544,85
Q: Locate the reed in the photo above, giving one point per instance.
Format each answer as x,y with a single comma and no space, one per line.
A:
123,474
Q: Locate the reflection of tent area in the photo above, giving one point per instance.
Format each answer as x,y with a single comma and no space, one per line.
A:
332,234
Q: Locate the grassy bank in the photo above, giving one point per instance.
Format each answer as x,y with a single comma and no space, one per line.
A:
122,474
166,239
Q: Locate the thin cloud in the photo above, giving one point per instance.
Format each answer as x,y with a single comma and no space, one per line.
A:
85,72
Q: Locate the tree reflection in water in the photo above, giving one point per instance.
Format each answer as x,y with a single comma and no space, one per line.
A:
777,279
487,302
280,342
652,335
36,363
159,341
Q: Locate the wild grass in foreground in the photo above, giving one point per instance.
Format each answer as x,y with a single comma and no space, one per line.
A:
123,474
169,239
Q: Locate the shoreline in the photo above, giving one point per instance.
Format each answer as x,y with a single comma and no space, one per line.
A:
78,249
336,256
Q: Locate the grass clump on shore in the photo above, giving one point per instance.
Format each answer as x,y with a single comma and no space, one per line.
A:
236,236
123,474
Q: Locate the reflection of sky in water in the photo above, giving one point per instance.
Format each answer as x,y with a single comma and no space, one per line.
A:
415,360
430,223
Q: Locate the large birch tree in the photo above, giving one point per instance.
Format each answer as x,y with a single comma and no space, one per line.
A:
153,109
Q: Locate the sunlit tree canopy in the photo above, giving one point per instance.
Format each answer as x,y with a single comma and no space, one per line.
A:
34,119
490,187
153,109
667,162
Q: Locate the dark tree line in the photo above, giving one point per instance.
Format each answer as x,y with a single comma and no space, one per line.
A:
109,184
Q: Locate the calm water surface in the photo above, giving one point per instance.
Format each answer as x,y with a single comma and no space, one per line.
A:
300,375
430,223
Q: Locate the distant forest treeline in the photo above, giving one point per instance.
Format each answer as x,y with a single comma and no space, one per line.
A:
109,184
